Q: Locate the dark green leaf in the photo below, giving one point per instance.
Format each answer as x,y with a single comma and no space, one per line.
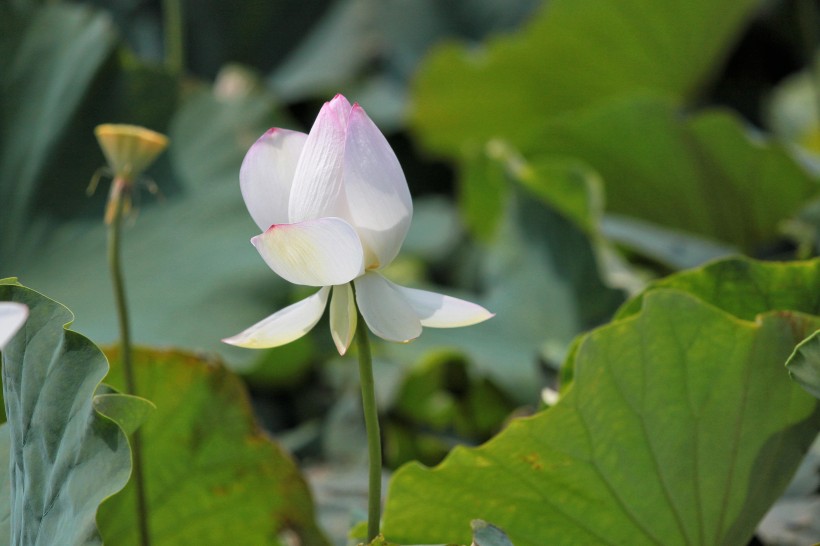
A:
680,428
745,288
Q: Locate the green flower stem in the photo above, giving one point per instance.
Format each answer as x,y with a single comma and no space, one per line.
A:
371,422
117,204
174,36
807,17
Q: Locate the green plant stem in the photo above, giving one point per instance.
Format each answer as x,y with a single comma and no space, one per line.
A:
120,188
174,36
807,14
371,422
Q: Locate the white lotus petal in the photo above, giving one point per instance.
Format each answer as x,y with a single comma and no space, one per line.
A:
384,309
440,311
378,200
342,317
284,326
319,252
267,174
12,317
317,182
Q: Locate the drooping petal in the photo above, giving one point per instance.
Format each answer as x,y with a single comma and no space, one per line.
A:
317,182
319,252
342,317
284,326
12,317
385,310
267,174
378,200
440,311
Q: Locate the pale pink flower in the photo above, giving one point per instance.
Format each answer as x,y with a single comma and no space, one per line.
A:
334,208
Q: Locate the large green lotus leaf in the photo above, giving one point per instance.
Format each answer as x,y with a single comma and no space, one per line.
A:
575,53
212,476
64,457
192,276
48,58
740,286
744,287
705,174
681,428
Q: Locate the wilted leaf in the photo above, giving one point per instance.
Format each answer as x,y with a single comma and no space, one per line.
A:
212,477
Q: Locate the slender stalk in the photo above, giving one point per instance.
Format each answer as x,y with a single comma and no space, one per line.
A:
807,14
174,36
371,422
117,204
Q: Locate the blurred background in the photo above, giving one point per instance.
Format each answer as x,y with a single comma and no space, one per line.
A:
560,154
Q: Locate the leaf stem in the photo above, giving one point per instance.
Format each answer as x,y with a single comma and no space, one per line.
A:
120,188
371,421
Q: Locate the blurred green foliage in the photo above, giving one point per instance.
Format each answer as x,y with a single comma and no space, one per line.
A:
561,154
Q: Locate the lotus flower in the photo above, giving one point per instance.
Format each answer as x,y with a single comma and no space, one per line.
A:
12,317
334,209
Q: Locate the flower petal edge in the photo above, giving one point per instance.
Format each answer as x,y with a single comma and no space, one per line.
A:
321,252
284,326
385,310
441,311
